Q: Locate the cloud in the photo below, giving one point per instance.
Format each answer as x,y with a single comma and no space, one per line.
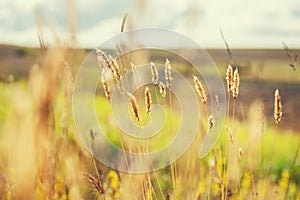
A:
100,32
245,23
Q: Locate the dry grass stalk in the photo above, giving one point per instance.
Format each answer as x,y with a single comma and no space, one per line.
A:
236,84
133,67
148,100
210,121
292,56
115,68
217,101
229,76
200,89
43,47
168,73
94,182
262,117
68,70
134,106
120,53
226,44
241,153
162,89
277,107
123,22
92,134
154,73
69,79
105,86
229,135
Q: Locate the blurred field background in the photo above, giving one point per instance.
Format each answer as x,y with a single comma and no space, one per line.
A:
42,158
262,71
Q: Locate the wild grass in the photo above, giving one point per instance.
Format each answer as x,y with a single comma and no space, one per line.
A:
42,158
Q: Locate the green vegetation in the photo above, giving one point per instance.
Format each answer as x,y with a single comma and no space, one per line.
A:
41,156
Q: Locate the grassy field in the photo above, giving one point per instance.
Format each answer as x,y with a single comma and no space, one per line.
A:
41,156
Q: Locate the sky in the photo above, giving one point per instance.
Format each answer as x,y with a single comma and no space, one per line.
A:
245,23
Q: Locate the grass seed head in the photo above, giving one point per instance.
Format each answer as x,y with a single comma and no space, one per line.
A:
134,106
162,89
103,60
241,153
229,135
95,182
277,107
168,73
105,86
200,89
154,73
115,68
229,76
148,100
210,122
236,84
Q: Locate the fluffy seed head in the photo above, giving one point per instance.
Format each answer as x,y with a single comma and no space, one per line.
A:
148,100
168,73
134,106
277,107
200,89
236,84
162,89
229,76
154,73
